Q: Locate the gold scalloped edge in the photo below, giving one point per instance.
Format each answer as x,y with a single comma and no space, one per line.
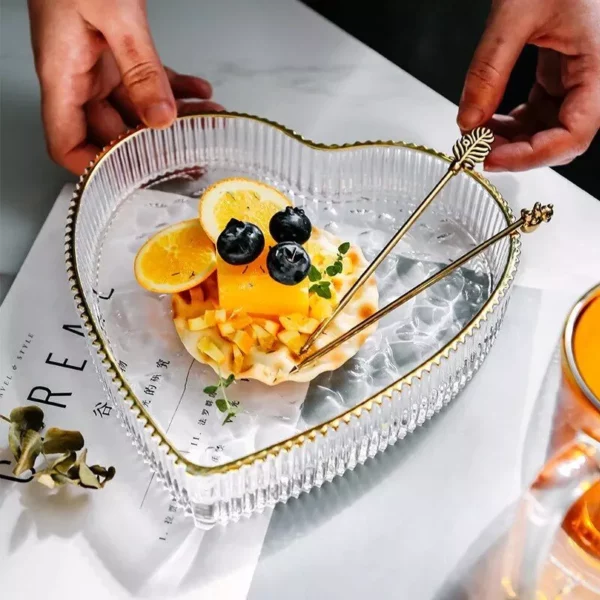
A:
310,435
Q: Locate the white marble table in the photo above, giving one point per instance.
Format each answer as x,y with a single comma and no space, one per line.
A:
416,518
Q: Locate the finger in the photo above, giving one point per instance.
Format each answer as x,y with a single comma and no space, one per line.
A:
141,69
120,99
503,40
66,132
580,120
509,126
544,149
104,122
505,126
188,86
193,108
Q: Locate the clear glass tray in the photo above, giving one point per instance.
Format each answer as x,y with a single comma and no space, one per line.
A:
294,436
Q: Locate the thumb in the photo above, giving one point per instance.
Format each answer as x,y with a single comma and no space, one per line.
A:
142,72
503,40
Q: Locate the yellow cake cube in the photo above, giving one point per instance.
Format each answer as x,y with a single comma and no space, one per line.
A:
252,288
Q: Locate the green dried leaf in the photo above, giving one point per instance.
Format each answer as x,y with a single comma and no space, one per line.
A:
28,417
87,478
14,440
59,441
45,479
61,479
222,405
52,479
63,463
211,390
343,248
21,419
314,274
99,470
31,446
104,473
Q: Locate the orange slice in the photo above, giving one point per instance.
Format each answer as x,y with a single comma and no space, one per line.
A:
175,259
242,199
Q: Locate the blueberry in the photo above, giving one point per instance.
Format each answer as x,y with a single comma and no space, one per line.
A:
288,263
290,225
240,243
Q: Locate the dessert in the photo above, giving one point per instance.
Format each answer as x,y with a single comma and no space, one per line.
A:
273,278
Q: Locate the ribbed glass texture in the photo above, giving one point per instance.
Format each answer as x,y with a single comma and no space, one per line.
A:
370,189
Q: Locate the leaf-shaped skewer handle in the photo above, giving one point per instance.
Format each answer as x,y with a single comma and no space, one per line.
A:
472,148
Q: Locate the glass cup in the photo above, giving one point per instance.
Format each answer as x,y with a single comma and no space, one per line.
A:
554,547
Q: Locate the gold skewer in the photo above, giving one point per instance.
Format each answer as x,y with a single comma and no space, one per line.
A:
470,149
529,221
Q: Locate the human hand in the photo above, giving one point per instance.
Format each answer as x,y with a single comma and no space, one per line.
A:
562,114
100,75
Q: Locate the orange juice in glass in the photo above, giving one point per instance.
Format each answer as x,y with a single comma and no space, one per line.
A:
581,394
559,516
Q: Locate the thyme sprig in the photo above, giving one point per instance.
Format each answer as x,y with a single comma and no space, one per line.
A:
224,404
320,286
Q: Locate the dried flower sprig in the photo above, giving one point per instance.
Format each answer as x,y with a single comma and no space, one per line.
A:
27,441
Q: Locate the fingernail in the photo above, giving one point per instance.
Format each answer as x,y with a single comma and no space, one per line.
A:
470,116
492,169
159,115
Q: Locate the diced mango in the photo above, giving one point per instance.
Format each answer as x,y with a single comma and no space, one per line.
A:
320,308
220,315
210,318
209,348
289,322
252,287
297,322
240,321
197,324
226,329
308,325
243,341
265,340
226,347
293,340
271,326
238,360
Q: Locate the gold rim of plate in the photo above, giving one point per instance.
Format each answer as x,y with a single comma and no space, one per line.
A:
112,369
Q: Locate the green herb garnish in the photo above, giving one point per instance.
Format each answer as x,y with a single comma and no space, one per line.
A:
27,442
320,286
321,289
314,274
223,404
